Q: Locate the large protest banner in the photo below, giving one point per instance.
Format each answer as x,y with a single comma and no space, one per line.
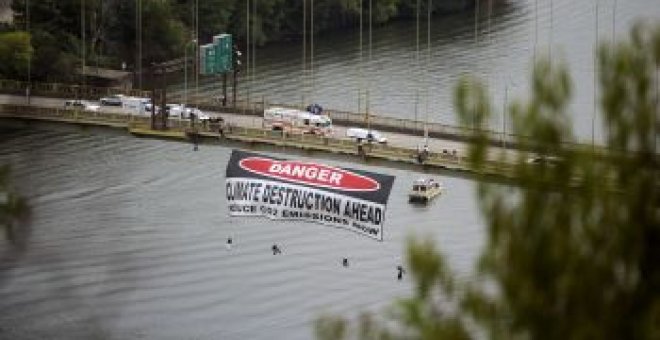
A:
259,185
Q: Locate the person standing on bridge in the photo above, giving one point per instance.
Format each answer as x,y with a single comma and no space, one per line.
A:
360,148
221,127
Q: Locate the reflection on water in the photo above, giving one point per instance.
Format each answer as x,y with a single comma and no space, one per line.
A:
128,234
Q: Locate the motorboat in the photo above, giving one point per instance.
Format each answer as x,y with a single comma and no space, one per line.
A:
424,190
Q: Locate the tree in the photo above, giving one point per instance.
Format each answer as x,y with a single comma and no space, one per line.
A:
109,27
163,34
15,51
573,245
55,32
214,16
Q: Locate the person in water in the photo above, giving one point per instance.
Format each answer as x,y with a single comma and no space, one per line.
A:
344,262
399,276
276,250
229,243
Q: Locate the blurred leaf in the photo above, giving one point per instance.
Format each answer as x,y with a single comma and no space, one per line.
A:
573,244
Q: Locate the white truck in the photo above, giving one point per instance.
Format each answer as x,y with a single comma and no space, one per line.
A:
296,121
136,105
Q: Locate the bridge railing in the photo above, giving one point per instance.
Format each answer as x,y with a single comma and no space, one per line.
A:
256,108
401,125
377,122
394,153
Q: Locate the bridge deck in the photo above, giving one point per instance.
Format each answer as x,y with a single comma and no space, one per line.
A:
182,130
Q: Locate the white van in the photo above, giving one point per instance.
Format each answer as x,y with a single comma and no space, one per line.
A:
370,136
135,105
297,121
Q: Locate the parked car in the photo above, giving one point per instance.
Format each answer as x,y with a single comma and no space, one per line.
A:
81,105
370,136
113,100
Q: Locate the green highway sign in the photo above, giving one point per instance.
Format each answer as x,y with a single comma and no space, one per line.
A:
216,58
223,52
207,62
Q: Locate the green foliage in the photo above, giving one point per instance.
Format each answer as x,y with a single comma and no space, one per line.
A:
572,246
50,61
163,38
15,51
167,25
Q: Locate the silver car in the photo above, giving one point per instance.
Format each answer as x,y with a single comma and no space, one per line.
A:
80,105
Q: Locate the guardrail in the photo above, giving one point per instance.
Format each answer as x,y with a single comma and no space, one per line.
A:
182,128
404,126
377,122
382,123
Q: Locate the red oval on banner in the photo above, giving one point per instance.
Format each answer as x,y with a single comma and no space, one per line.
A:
309,173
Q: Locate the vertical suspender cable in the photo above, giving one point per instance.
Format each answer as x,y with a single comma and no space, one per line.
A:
552,19
247,51
490,15
536,26
138,19
136,66
416,72
360,71
254,41
613,22
476,22
428,72
29,55
197,53
82,34
139,42
371,11
595,51
311,47
304,54
476,38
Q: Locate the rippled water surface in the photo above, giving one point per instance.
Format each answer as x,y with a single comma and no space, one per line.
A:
127,241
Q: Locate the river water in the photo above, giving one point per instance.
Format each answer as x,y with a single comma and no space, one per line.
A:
501,53
127,240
